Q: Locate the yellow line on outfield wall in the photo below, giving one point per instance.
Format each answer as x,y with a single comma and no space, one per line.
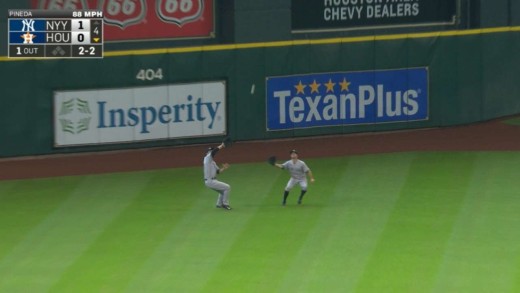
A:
301,42
316,41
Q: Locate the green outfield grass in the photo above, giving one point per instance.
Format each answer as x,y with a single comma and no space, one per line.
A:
513,121
408,222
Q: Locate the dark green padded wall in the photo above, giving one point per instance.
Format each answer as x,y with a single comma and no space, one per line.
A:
472,78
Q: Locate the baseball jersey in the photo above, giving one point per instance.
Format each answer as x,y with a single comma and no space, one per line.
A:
210,167
298,170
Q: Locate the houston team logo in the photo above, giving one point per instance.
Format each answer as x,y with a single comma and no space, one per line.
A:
123,13
61,4
28,38
180,12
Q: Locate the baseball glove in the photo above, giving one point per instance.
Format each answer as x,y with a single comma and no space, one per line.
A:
271,160
227,141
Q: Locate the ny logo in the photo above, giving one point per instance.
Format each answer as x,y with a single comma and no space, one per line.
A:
28,25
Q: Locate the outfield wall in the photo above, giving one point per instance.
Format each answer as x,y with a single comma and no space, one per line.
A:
473,76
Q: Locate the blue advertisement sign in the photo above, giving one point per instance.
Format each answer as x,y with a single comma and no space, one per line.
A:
347,98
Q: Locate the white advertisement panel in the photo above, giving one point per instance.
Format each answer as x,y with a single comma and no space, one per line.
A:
141,113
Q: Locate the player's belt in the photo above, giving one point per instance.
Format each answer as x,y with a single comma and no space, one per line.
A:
205,179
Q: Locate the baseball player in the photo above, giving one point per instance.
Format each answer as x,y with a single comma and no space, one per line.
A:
211,170
299,171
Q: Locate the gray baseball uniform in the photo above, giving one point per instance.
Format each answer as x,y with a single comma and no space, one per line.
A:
298,173
210,178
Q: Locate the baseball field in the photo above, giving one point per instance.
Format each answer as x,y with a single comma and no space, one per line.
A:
396,222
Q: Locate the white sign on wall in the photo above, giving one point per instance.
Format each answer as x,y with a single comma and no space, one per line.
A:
139,113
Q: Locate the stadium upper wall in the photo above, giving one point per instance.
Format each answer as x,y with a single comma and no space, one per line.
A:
247,21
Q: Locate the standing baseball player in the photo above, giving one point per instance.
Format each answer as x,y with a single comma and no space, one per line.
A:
211,170
299,171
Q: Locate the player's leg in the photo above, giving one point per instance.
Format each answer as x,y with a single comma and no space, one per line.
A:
223,190
290,185
220,188
210,185
219,199
303,185
225,196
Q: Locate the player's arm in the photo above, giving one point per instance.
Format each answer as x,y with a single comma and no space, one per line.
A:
215,150
309,172
279,166
224,167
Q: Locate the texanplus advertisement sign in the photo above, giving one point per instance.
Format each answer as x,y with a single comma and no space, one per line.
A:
347,98
140,113
348,14
144,20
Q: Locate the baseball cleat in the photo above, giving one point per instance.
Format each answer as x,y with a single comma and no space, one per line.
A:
299,202
218,206
226,207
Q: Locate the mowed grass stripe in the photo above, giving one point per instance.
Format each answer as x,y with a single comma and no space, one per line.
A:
196,245
412,244
484,249
334,256
38,261
271,239
516,284
26,203
118,253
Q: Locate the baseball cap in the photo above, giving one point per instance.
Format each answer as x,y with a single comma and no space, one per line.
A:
293,152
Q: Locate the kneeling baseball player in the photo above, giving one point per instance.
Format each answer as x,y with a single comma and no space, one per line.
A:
211,170
298,170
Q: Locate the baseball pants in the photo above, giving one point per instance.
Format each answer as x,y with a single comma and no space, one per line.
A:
223,190
293,181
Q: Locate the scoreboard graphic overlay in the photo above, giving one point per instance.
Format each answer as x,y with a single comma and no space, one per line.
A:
55,34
